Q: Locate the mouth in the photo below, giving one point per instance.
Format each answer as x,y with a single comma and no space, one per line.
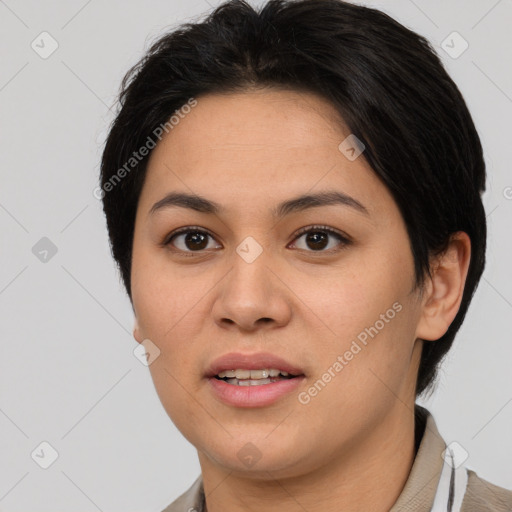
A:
253,380
243,377
252,369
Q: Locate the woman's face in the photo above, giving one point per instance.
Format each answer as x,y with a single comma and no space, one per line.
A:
341,310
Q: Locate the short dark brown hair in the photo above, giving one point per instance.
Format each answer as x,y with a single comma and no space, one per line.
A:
385,80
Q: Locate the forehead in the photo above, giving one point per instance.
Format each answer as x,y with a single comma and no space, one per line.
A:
255,145
257,120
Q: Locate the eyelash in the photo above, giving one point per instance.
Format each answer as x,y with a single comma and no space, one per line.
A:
344,239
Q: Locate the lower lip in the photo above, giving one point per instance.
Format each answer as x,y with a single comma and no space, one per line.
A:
253,396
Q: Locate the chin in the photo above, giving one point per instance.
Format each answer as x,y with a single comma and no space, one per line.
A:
248,456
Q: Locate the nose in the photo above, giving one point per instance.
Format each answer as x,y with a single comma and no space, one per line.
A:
252,296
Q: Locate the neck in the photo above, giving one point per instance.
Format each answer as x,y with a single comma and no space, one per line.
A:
369,476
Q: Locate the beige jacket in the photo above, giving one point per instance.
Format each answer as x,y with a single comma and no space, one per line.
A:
432,481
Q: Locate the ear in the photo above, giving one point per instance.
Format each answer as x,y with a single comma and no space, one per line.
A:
443,293
137,335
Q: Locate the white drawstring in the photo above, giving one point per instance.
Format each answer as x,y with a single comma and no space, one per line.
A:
452,486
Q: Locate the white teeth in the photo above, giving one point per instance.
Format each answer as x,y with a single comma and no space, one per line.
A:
249,382
252,374
259,374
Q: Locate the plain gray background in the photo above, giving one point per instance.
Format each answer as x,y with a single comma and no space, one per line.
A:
68,373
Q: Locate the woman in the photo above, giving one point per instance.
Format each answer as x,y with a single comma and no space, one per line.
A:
293,197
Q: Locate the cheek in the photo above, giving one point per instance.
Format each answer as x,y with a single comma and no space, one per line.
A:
365,370
164,299
175,391
364,314
342,302
171,311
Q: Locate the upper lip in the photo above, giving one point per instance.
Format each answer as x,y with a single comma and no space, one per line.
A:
255,361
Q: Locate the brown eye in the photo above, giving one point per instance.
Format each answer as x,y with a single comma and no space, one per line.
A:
189,240
316,239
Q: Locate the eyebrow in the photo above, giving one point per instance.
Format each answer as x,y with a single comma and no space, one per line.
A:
294,205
